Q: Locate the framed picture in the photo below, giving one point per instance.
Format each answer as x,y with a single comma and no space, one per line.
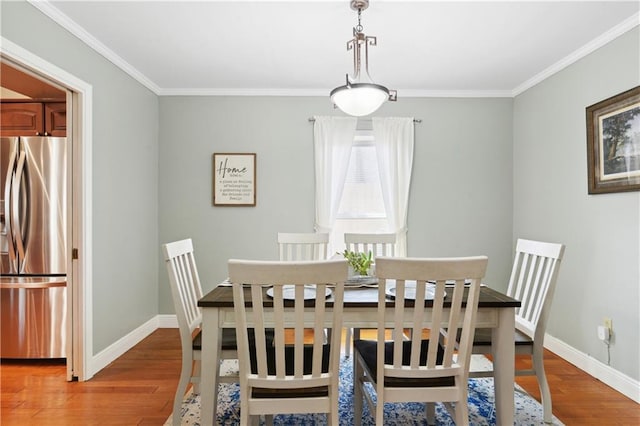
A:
234,179
613,143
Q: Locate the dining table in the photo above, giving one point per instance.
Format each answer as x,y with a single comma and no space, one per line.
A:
360,310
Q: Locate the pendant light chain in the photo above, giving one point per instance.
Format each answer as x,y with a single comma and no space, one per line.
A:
359,26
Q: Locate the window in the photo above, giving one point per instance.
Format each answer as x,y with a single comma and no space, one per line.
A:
361,206
340,150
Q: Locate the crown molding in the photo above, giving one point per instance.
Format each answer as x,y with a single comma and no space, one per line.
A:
242,92
409,93
67,23
454,93
615,32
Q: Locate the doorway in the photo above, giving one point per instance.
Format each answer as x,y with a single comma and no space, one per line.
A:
77,97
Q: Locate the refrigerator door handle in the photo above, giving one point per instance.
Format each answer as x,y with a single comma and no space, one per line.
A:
15,201
9,227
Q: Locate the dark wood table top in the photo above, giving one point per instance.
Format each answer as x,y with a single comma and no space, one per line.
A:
359,297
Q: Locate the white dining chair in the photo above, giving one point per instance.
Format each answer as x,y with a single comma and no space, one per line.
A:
303,245
186,290
300,246
288,377
533,280
420,370
378,245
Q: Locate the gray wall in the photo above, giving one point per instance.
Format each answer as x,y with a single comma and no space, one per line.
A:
460,203
600,273
125,174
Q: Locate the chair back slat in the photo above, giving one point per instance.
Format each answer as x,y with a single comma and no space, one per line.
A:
377,244
259,329
413,279
454,323
533,280
293,280
319,317
418,318
397,332
303,246
299,330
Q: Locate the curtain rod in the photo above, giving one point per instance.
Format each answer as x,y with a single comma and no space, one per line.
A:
368,120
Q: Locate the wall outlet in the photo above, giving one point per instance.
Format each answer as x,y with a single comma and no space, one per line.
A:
603,333
608,324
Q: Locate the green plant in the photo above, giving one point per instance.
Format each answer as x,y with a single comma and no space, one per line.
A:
360,262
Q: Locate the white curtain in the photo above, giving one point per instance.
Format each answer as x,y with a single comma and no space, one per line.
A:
332,137
394,147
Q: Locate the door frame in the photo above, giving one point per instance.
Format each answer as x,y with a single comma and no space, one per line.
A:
79,278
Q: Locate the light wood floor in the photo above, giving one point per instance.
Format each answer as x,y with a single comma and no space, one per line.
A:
138,388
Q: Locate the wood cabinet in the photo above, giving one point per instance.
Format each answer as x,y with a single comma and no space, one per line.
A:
55,118
21,119
33,119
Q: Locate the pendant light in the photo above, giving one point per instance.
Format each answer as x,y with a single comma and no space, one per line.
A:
360,95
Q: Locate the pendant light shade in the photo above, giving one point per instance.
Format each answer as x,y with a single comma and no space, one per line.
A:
359,99
360,95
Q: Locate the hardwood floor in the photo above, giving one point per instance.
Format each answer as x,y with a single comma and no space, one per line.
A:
138,388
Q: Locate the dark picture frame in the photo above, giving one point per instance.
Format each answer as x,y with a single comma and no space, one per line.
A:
613,143
234,179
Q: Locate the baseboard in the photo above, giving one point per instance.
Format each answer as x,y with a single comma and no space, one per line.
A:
167,321
605,373
112,352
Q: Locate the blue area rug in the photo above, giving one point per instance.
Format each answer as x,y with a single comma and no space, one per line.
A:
481,405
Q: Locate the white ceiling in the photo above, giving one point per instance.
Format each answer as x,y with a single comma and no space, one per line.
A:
425,48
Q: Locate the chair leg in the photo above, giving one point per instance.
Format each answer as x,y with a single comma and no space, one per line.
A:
379,406
347,342
196,374
215,393
461,412
545,393
185,375
430,412
333,417
358,372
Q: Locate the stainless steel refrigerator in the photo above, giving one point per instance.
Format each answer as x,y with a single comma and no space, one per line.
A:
33,215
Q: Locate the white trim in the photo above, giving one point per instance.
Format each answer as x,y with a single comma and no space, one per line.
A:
167,321
239,91
82,135
612,34
118,348
83,229
408,93
122,345
606,374
75,29
455,93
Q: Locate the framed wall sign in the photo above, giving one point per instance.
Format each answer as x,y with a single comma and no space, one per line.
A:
234,179
613,143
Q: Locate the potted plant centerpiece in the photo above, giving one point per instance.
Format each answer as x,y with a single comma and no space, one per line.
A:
360,264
